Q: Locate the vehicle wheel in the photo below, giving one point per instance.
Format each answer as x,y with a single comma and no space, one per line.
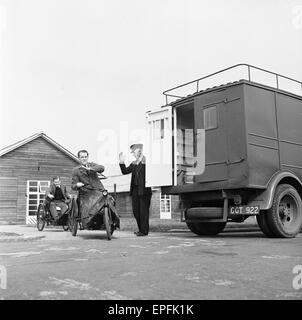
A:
206,228
107,223
65,222
112,228
284,218
263,225
40,217
73,226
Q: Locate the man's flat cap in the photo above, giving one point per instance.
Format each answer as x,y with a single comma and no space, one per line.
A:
136,146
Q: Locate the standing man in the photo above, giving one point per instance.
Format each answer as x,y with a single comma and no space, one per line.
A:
57,196
141,196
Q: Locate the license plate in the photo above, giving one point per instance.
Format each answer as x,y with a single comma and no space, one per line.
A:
238,210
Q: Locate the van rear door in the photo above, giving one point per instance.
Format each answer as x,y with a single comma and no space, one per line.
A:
159,151
211,116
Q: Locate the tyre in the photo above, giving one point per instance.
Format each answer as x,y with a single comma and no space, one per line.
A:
284,218
65,227
40,217
112,228
72,217
206,228
65,222
73,226
107,221
263,224
69,222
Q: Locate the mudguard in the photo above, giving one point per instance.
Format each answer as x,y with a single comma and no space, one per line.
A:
265,198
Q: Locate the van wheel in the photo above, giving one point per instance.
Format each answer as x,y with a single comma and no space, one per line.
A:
284,218
263,225
206,228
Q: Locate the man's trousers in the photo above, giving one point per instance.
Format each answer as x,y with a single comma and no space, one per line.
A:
140,207
57,203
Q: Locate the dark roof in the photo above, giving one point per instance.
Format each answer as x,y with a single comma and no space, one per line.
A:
229,84
34,137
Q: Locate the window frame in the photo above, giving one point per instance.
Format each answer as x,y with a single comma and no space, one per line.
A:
216,114
39,195
165,203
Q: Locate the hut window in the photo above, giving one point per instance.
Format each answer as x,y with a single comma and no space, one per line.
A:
43,186
35,195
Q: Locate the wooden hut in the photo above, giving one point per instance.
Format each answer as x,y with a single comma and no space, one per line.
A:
26,170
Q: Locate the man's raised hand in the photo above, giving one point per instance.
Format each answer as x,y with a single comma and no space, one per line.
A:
121,157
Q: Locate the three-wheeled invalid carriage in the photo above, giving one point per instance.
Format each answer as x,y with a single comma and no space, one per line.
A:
44,217
106,218
231,151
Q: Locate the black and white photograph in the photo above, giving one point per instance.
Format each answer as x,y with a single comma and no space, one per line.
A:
150,151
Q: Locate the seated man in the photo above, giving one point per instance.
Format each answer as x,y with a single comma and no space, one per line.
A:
85,179
57,196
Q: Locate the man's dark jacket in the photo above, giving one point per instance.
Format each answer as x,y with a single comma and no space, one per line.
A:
52,189
138,171
88,177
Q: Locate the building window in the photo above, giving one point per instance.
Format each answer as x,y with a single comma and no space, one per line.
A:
165,203
43,186
210,118
35,195
158,129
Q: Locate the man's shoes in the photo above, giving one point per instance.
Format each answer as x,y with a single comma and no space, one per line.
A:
135,232
140,234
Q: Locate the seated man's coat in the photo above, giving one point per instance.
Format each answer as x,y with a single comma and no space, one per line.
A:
61,197
52,189
90,195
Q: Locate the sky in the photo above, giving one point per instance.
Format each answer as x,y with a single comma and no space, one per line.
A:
86,72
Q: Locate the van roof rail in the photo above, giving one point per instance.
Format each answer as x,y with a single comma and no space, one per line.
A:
248,67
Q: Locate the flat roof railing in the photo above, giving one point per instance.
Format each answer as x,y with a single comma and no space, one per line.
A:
169,93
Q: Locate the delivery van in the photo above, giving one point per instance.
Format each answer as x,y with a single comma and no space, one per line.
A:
230,152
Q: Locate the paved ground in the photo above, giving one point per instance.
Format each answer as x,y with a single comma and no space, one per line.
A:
165,265
12,233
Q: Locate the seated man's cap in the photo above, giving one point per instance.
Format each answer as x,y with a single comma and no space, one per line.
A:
136,146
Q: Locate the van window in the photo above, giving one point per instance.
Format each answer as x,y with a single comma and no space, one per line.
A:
158,129
210,118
